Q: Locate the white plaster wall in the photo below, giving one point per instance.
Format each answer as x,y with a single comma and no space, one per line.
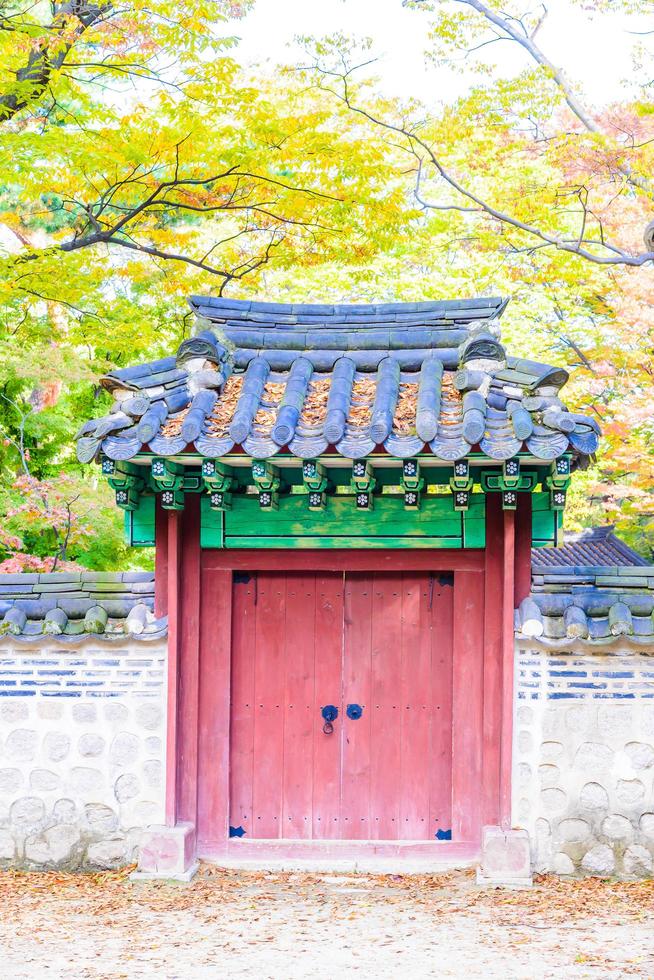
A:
82,751
583,776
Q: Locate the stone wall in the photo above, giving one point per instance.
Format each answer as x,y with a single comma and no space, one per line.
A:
583,780
82,743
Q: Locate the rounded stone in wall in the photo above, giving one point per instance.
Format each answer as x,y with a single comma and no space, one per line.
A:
580,718
525,715
29,811
149,715
7,846
124,750
646,824
617,827
100,818
593,757
525,741
90,745
115,711
599,860
145,812
85,780
524,774
550,751
56,746
593,797
64,811
21,744
613,719
11,781
43,780
13,711
153,773
49,709
553,801
573,829
549,775
637,860
542,827
153,745
562,864
630,791
126,787
85,713
524,810
53,846
640,754
110,853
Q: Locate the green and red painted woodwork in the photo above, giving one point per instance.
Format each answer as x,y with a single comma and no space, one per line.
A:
232,639
397,506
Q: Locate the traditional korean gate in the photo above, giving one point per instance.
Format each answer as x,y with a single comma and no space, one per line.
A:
378,648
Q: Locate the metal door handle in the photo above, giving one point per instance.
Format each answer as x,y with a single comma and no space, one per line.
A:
329,714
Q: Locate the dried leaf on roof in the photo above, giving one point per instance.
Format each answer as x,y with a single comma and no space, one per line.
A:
363,397
223,412
314,409
273,392
173,425
451,402
404,419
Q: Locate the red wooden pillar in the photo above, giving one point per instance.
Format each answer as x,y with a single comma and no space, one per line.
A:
493,658
160,559
508,655
174,546
214,707
189,593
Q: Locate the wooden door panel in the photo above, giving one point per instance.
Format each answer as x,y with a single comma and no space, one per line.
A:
416,708
241,769
298,706
328,690
356,761
269,673
383,641
385,706
441,590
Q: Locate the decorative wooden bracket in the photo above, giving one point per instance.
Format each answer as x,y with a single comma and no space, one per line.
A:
412,483
267,480
511,474
558,482
128,481
169,479
363,483
218,479
314,477
461,484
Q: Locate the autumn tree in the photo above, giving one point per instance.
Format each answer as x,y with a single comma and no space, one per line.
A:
523,186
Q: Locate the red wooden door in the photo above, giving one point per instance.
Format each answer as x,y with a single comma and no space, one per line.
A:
382,642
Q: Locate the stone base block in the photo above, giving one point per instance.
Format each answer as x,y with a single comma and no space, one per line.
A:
167,852
505,858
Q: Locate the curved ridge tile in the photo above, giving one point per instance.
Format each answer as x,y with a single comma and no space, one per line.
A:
121,448
168,446
584,442
260,447
451,448
307,446
355,446
547,447
87,448
214,446
404,447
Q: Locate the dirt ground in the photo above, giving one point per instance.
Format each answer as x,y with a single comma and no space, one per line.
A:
296,925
